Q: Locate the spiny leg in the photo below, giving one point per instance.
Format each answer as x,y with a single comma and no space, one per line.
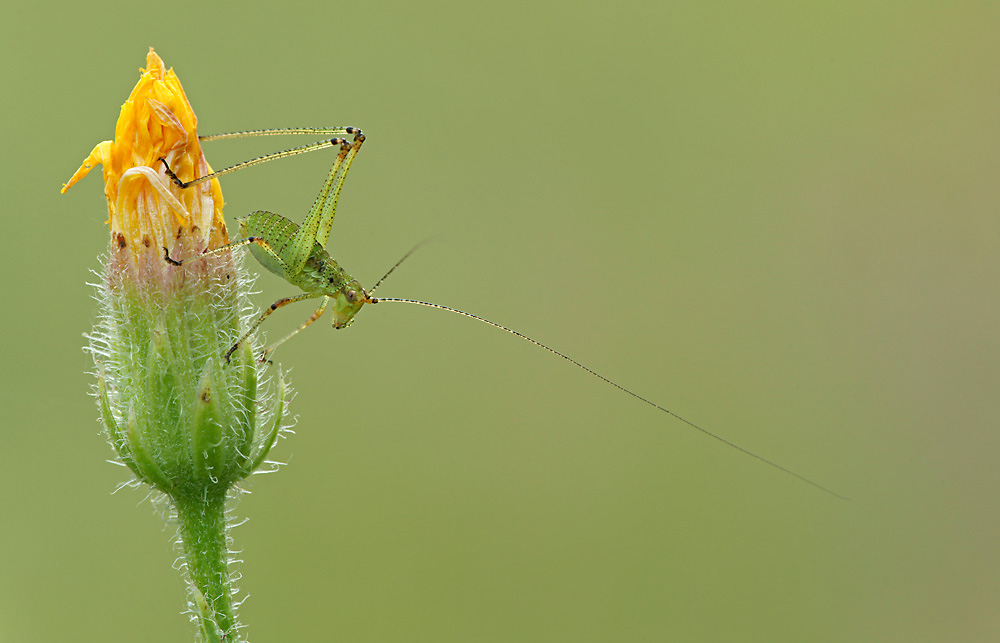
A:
330,207
295,151
316,228
282,131
301,245
316,315
294,249
267,313
208,253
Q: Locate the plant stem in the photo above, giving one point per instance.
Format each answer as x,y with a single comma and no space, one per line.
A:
202,528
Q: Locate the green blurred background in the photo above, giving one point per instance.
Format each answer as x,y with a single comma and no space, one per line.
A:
778,219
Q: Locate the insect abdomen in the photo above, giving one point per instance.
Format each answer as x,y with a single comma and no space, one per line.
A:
276,231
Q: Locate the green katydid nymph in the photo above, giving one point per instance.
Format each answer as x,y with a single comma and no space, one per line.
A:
298,254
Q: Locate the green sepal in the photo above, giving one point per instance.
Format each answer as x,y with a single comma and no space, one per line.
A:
245,410
118,439
207,444
144,465
165,372
272,435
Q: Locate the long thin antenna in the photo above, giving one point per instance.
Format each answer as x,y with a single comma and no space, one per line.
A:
396,265
614,384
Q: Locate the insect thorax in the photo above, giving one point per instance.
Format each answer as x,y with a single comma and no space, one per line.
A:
322,273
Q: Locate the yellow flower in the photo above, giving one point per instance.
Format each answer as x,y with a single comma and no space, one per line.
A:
145,209
181,415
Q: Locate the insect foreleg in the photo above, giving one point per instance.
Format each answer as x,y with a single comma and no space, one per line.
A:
316,315
267,313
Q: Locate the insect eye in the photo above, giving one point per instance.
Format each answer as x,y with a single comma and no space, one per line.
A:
351,296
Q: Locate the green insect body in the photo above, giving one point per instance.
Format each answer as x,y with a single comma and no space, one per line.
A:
320,275
297,253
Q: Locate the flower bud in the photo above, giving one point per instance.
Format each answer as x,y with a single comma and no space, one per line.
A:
182,417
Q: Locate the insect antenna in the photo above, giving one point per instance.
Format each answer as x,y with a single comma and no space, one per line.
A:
611,382
402,259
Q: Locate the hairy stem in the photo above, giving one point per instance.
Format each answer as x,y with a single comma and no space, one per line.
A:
202,527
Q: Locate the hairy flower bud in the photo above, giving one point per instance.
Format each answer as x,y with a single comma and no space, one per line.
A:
182,417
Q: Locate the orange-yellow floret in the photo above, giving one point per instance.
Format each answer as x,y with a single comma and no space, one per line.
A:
143,205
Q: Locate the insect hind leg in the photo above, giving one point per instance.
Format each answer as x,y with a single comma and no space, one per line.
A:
343,143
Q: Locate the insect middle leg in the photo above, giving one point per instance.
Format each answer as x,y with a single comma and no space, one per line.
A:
208,253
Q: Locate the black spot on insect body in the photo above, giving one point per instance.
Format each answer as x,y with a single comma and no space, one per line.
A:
120,238
145,240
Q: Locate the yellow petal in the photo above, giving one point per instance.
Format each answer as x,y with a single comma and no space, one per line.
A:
144,206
